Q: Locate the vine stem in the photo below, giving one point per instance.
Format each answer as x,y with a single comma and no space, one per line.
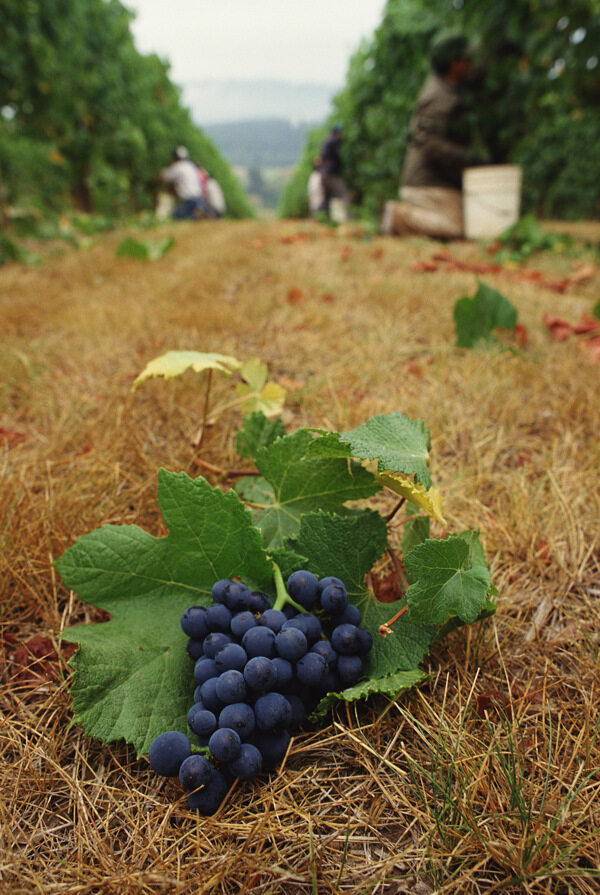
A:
391,515
200,434
386,627
282,595
224,473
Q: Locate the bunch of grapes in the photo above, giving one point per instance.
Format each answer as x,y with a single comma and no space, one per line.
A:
258,671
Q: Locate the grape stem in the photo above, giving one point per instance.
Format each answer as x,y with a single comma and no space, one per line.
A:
386,627
282,595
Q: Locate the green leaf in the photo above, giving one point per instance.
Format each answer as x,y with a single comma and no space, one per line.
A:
390,685
256,393
596,309
133,677
257,432
174,363
324,539
447,578
144,249
475,318
300,484
399,443
414,531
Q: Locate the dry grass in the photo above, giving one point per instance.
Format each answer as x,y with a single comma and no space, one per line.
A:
486,779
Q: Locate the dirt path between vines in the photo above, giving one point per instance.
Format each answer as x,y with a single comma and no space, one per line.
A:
484,778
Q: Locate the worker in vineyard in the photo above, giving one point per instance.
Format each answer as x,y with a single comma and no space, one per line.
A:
315,190
331,170
182,176
431,190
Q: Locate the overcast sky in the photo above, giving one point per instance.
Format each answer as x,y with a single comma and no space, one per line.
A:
302,41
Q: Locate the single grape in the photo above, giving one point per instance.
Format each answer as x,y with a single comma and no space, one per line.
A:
224,744
334,599
219,589
259,641
285,672
204,669
272,712
303,588
231,687
201,720
308,623
197,694
272,746
350,616
259,602
193,622
273,619
194,648
242,622
215,642
248,763
349,669
260,673
311,669
237,597
208,799
239,716
218,617
330,579
291,644
168,751
345,639
208,695
194,772
289,611
231,657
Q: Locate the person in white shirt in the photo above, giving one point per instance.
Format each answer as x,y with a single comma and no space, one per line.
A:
317,200
215,197
182,175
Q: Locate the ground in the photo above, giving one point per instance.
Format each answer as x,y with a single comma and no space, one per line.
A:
485,778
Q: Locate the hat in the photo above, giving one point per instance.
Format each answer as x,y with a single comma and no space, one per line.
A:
181,152
336,128
447,46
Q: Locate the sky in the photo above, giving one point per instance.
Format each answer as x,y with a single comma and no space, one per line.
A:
302,42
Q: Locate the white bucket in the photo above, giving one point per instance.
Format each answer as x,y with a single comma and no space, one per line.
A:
491,199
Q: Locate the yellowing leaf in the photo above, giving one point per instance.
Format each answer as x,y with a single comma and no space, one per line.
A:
174,363
258,395
429,500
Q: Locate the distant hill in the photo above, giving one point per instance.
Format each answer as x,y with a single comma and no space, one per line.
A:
260,143
216,102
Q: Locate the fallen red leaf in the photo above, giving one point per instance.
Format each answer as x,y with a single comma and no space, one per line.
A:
560,329
378,253
11,436
295,295
387,587
424,266
327,298
521,334
36,660
345,253
587,324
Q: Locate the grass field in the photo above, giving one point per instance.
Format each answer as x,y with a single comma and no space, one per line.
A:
485,779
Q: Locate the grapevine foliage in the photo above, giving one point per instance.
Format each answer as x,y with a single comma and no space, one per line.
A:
132,674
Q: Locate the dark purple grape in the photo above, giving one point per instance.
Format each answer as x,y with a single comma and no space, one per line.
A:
218,617
272,746
259,641
259,602
285,672
208,695
325,649
365,641
273,619
195,649
215,642
291,644
345,639
272,712
195,772
231,687
303,588
201,721
298,710
248,763
208,799
204,669
334,599
349,669
260,673
231,657
311,669
330,579
219,589
224,744
239,716
237,597
350,616
168,752
241,623
308,623
193,622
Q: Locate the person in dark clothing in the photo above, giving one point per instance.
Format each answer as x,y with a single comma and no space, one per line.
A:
331,169
432,175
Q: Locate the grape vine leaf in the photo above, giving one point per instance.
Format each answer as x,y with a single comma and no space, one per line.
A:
256,432
132,675
298,483
415,530
398,443
429,500
447,578
174,363
391,685
476,317
256,393
324,538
